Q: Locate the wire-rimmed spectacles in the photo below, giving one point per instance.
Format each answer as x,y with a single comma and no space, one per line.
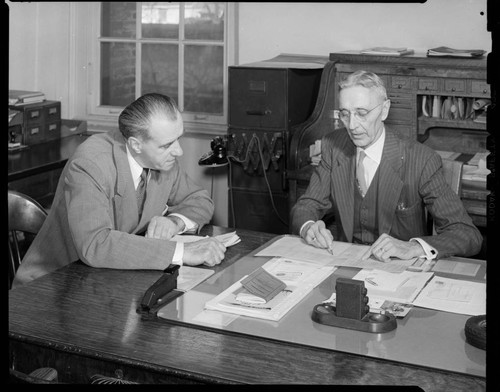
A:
359,114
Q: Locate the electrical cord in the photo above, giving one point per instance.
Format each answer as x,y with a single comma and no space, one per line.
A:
265,178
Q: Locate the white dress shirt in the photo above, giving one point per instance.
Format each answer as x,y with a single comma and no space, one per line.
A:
371,164
136,171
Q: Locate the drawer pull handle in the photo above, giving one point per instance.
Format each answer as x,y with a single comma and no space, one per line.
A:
258,112
453,89
400,86
485,91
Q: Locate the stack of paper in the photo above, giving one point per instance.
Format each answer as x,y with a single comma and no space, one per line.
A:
453,295
400,287
386,51
22,97
300,278
444,51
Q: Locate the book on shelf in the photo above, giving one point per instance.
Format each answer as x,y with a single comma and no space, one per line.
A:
444,51
23,97
387,51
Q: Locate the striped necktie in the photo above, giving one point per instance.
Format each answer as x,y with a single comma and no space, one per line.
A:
141,190
360,173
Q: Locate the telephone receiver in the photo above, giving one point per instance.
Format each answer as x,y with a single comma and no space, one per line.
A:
217,156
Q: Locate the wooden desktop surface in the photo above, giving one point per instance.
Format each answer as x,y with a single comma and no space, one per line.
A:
83,321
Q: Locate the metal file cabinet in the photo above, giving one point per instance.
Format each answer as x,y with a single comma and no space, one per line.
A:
266,99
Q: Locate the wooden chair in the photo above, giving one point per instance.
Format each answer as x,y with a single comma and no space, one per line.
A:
453,175
26,217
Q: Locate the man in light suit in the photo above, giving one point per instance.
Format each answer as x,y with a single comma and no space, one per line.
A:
96,216
383,202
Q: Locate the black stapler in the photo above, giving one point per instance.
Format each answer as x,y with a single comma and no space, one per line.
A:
160,293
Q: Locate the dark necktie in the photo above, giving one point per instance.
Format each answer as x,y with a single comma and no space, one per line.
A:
360,173
141,190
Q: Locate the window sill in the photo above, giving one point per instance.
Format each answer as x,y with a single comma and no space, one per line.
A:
96,124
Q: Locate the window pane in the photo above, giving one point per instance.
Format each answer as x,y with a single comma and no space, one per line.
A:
160,70
203,79
204,21
160,20
117,73
118,19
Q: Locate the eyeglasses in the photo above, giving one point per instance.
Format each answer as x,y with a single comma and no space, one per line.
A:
359,114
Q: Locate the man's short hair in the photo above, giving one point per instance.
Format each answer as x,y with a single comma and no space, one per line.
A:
135,119
365,79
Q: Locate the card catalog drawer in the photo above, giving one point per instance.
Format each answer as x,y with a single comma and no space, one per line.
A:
34,134
52,112
34,115
53,130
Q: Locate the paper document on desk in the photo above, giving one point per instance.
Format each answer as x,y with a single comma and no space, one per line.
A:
405,288
453,295
344,254
300,278
228,239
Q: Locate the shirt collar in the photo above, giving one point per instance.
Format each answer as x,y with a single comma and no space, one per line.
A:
135,168
374,152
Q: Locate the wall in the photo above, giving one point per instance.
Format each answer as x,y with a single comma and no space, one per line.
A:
40,45
321,28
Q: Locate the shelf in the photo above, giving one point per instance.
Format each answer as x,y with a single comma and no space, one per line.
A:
424,123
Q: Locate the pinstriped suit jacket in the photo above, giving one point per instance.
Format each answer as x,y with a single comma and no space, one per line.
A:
410,180
94,215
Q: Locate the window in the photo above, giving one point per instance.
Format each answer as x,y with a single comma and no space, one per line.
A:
174,48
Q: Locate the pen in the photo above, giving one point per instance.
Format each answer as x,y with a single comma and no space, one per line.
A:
330,249
369,280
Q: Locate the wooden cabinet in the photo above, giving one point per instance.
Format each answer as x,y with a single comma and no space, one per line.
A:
412,82
266,99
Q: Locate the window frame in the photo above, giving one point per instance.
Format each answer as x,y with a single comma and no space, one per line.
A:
85,66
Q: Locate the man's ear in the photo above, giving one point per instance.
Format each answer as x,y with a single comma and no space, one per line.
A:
134,144
385,109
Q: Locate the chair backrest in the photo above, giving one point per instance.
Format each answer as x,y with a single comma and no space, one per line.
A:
452,171
453,174
26,217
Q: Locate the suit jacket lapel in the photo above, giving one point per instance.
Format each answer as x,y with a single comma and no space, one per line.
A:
343,187
391,172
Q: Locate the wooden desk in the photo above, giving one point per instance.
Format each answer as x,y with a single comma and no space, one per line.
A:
83,321
43,157
35,170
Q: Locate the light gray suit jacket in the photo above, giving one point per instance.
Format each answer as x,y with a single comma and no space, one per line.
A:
410,180
94,216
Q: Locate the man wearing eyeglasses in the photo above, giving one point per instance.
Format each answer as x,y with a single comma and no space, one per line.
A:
378,185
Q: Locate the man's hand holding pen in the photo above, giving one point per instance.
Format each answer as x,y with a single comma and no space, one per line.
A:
317,235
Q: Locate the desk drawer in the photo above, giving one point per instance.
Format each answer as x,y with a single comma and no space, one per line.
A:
401,83
479,88
428,84
454,85
258,98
